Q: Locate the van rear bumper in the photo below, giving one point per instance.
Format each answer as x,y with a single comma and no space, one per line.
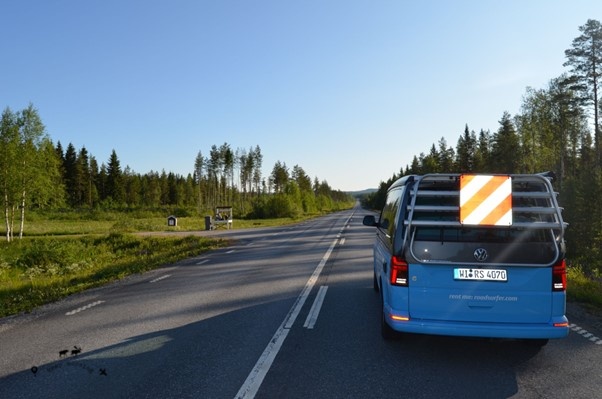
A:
485,330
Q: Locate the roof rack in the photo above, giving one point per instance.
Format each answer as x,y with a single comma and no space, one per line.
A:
435,201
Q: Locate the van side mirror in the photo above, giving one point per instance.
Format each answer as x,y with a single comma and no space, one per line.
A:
369,220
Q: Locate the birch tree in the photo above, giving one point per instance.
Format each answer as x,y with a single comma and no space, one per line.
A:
28,165
9,138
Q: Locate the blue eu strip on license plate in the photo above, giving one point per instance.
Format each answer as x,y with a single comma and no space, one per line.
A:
480,274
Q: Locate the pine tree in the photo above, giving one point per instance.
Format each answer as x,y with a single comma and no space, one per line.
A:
257,164
585,60
506,156
71,176
466,151
199,173
483,153
446,156
115,189
280,176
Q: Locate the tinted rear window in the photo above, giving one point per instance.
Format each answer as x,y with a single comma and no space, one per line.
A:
482,235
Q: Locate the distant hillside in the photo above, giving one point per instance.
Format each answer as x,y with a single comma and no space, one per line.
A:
363,192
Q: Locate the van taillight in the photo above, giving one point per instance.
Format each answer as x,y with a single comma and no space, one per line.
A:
399,271
559,276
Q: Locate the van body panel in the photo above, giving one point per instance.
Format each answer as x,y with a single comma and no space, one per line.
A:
445,292
525,297
478,329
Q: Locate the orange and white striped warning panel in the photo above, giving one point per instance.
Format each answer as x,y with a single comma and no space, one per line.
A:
486,200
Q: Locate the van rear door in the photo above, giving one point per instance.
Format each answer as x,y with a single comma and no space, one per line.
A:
525,297
482,273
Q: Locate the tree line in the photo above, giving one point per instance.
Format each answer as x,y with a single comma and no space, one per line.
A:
36,174
551,132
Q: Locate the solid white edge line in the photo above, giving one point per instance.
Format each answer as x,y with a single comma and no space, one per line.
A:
253,382
314,312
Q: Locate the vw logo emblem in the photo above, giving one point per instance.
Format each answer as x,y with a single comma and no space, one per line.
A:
480,254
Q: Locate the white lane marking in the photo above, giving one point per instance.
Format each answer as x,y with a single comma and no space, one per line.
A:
308,287
251,385
160,278
314,312
203,262
586,334
230,251
81,309
342,241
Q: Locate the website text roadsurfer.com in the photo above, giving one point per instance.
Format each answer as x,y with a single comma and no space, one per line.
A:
491,298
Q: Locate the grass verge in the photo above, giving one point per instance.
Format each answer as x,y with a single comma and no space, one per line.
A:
584,289
42,270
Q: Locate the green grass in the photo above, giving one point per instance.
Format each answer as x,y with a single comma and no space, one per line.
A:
63,253
584,288
42,270
90,222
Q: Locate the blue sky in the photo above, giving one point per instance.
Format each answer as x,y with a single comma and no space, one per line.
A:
349,90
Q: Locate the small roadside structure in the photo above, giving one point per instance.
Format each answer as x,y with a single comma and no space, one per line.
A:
223,217
172,221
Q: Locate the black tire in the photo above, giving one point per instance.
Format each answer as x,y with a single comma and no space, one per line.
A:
386,331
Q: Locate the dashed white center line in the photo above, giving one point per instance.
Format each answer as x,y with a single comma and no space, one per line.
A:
160,278
255,378
230,251
203,261
342,241
81,309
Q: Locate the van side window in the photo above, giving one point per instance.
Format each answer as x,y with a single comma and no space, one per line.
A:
388,220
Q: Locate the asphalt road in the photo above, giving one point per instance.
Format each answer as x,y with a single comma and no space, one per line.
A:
283,313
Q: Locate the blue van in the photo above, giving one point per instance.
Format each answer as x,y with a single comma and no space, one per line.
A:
472,255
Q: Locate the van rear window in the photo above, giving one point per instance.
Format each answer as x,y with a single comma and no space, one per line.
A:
482,235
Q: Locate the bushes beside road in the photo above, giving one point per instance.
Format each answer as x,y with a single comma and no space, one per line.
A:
41,270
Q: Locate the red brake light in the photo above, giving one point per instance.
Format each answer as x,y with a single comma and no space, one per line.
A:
399,271
559,276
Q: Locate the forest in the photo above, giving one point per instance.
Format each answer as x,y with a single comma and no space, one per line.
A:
557,129
36,174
